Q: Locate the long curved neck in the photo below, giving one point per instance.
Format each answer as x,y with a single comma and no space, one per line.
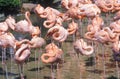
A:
27,16
20,50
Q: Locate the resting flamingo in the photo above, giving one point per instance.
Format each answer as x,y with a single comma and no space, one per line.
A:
106,35
72,28
36,41
67,4
116,46
89,10
81,47
22,54
39,10
95,26
117,16
105,5
58,33
115,26
52,52
7,40
8,24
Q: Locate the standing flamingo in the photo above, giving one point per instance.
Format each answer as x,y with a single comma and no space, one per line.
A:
6,40
24,26
53,54
22,54
58,33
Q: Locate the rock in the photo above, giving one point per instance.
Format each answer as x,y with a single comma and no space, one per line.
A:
28,7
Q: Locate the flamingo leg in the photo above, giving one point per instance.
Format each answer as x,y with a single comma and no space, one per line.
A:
20,67
35,62
73,36
11,57
58,71
118,70
39,65
94,54
4,62
108,18
79,60
80,27
103,57
94,59
52,72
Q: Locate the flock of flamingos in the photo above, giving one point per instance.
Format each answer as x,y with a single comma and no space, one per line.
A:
73,10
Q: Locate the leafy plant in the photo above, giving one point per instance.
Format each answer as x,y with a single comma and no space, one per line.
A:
46,3
10,6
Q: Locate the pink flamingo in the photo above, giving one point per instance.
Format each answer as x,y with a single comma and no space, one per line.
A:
105,5
9,23
36,42
24,26
6,40
67,4
81,47
95,26
115,26
72,28
58,33
39,10
91,12
21,55
52,52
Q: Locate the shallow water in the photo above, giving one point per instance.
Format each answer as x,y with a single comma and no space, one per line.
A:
96,66
72,67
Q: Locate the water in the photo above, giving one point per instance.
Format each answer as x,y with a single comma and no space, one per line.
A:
72,66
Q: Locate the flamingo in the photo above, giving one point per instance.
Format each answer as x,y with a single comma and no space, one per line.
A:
52,52
106,35
105,5
81,47
117,16
67,4
95,26
22,54
116,46
58,33
51,15
24,26
72,28
50,19
7,24
73,12
116,5
115,26
36,42
7,40
39,10
91,12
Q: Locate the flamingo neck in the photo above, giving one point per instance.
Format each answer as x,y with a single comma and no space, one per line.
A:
27,16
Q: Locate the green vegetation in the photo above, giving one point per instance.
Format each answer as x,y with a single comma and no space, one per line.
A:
10,6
